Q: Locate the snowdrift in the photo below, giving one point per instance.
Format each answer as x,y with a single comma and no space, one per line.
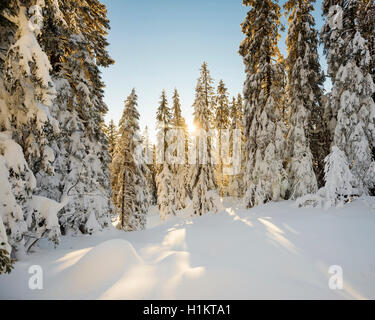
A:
276,251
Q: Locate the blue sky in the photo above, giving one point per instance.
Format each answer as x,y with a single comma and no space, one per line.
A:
161,44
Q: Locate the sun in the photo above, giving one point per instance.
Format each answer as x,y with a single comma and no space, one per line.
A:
192,128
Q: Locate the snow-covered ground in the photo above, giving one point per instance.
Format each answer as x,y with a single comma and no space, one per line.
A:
273,252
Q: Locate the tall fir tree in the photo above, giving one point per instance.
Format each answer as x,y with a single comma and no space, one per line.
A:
180,139
266,177
236,178
164,177
201,174
222,123
129,171
77,48
307,144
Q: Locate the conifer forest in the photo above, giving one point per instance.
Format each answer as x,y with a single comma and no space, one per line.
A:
200,150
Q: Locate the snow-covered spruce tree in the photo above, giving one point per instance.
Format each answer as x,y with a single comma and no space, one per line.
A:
351,101
340,180
129,170
180,139
236,178
339,186
164,177
266,177
303,94
201,174
111,132
26,96
222,122
205,86
77,48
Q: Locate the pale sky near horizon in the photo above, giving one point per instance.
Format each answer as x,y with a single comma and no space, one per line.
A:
161,45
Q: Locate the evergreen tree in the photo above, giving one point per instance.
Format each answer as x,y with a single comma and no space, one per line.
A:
27,92
266,178
129,171
306,130
236,178
77,48
222,122
164,177
350,101
180,139
111,132
340,181
201,175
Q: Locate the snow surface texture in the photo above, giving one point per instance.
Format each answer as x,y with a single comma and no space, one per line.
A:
275,251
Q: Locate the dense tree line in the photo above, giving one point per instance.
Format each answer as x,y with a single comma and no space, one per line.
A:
298,139
177,169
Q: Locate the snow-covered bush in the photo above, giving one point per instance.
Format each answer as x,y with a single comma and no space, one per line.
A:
339,184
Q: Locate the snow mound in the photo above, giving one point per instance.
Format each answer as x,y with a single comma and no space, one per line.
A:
101,267
274,251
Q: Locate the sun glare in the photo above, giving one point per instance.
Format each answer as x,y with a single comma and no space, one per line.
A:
192,128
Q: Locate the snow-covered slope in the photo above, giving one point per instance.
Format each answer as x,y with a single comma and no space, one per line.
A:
273,251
